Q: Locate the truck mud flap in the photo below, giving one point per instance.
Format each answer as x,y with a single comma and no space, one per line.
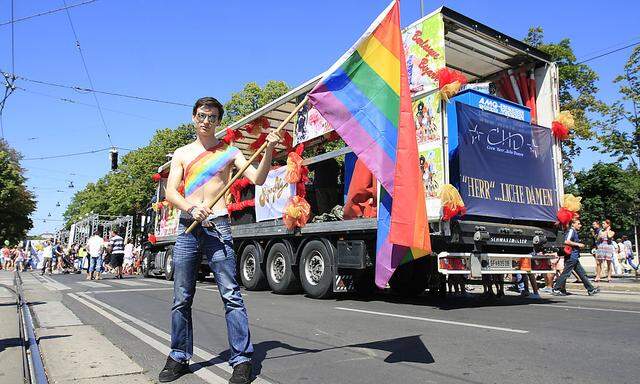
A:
343,283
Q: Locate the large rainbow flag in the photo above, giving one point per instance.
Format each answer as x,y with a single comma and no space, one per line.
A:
365,97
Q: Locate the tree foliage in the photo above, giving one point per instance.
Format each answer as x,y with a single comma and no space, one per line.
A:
16,202
250,98
609,192
613,135
577,90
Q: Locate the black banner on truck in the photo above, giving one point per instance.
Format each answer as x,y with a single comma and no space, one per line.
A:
503,167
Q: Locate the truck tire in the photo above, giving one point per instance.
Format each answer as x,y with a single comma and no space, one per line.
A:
146,263
202,277
251,274
168,264
279,270
411,279
315,270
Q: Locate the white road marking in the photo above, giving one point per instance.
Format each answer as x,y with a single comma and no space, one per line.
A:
435,320
129,283
201,353
589,308
93,284
165,282
53,285
204,374
128,290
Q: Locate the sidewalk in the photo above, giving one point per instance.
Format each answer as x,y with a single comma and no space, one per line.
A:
89,357
10,341
617,284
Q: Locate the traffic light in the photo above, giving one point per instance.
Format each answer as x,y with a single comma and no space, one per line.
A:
113,155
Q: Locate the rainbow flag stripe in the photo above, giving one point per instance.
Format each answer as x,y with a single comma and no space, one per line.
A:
207,165
365,97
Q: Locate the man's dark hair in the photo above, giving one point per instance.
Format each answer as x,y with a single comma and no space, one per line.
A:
209,102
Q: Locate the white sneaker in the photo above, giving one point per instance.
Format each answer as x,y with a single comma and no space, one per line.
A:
546,290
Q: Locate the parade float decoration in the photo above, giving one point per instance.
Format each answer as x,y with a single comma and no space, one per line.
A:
568,209
449,82
234,201
452,204
562,124
297,210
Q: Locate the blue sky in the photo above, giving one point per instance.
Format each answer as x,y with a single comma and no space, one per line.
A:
181,50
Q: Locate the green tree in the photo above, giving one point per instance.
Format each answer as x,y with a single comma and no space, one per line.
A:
16,202
577,91
609,192
619,130
250,98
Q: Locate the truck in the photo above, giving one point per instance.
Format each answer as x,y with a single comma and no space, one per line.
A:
491,141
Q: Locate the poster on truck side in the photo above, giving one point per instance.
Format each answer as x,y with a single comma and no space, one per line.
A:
272,197
503,167
427,116
424,51
309,124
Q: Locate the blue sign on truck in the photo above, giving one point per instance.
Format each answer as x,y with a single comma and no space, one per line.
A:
503,167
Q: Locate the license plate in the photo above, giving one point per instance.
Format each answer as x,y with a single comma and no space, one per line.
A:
500,263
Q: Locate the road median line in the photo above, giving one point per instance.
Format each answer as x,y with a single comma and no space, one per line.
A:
458,323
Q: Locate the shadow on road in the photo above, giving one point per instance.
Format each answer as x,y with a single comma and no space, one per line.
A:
409,349
10,342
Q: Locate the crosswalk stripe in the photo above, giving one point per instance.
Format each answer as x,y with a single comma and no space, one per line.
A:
93,284
129,283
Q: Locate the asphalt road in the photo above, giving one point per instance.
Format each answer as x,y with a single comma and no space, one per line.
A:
382,339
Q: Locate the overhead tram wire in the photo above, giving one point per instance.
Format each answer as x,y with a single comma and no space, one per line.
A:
71,101
81,89
13,21
76,153
608,53
86,70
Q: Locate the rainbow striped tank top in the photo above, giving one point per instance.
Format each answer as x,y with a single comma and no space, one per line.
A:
204,167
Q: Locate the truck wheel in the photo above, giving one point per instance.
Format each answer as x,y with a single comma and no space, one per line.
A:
202,277
146,263
315,270
168,264
279,270
410,279
251,274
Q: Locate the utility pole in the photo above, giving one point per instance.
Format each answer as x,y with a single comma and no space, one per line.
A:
421,8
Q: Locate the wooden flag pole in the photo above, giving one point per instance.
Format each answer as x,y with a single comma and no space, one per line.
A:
251,159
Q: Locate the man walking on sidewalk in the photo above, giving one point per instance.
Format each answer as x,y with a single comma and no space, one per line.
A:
204,166
47,257
572,241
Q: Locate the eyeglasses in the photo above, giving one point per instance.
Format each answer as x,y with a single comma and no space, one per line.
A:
202,117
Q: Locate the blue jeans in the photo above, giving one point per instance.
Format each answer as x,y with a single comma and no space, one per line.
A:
95,264
573,264
631,263
216,244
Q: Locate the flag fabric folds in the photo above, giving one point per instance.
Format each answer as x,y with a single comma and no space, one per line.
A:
365,97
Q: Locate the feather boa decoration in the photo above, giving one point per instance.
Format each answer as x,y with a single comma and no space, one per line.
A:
296,213
562,124
452,204
449,82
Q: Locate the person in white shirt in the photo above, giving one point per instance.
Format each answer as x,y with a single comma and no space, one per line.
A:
128,258
95,246
47,255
